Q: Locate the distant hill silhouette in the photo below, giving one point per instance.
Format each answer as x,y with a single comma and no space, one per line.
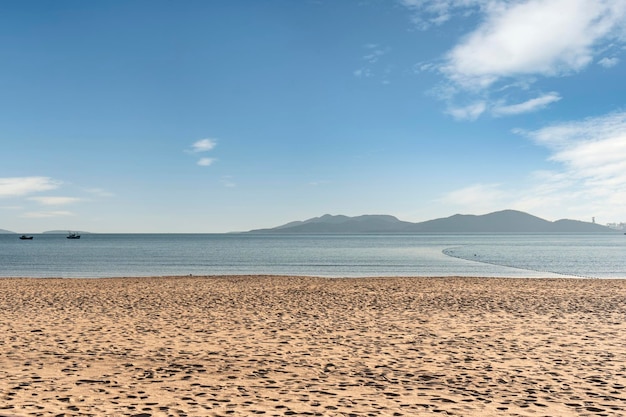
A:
6,232
506,221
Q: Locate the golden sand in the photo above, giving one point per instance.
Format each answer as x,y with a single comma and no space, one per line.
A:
280,346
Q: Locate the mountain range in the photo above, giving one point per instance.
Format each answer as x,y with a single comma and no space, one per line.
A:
505,221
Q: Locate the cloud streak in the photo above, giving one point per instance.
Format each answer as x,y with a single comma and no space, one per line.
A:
479,197
55,201
588,179
592,151
20,186
46,214
469,112
528,106
227,181
608,62
428,13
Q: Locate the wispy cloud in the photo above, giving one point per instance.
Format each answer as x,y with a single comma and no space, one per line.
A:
55,201
374,53
205,162
319,183
19,186
363,73
469,112
528,106
608,62
478,198
204,145
588,178
428,13
592,151
46,214
370,61
227,181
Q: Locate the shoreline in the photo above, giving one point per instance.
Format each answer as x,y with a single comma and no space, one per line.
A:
538,276
290,345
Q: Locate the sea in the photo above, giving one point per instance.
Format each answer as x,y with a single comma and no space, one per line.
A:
425,255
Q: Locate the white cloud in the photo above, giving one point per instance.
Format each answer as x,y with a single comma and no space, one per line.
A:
588,177
478,198
533,37
205,162
46,214
608,62
528,106
55,201
516,43
599,162
203,145
427,13
564,135
19,186
591,155
470,112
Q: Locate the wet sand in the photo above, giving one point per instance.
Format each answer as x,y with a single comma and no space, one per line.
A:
280,346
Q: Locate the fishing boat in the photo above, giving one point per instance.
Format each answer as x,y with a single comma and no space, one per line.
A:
71,235
24,237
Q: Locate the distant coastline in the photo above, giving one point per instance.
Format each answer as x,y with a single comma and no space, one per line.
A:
505,221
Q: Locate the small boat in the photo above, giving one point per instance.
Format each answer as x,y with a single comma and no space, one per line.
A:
24,237
71,235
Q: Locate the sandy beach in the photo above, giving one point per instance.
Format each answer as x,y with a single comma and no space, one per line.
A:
280,346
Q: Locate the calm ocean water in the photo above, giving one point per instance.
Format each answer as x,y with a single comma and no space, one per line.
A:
118,255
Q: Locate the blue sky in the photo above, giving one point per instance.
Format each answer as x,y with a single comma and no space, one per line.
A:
228,115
